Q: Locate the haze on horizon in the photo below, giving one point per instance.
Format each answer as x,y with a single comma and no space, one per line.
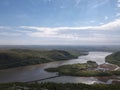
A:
59,22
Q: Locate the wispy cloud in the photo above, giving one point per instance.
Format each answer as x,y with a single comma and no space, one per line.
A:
48,32
4,27
118,4
118,7
9,31
72,34
119,1
114,25
100,3
54,32
9,34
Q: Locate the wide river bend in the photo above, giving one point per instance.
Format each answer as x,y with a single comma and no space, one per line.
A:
36,72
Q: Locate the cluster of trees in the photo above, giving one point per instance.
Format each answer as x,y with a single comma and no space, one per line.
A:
22,57
58,86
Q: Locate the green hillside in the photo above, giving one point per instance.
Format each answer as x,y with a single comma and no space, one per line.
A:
114,58
23,57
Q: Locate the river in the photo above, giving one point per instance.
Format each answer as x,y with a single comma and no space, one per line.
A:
35,72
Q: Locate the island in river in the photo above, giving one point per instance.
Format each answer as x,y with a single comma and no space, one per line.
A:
88,69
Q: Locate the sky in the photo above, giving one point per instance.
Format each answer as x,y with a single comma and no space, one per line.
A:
59,22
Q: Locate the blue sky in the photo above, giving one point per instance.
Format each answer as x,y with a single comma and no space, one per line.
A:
59,22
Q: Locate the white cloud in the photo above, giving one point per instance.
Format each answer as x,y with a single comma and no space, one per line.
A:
118,5
54,33
118,1
114,25
4,27
68,35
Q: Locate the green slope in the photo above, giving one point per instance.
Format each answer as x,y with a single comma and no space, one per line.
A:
114,58
23,57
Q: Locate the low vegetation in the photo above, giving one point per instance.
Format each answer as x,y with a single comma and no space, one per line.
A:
23,57
114,58
58,86
85,69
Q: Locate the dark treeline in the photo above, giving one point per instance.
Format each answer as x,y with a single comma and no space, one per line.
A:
56,86
65,47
